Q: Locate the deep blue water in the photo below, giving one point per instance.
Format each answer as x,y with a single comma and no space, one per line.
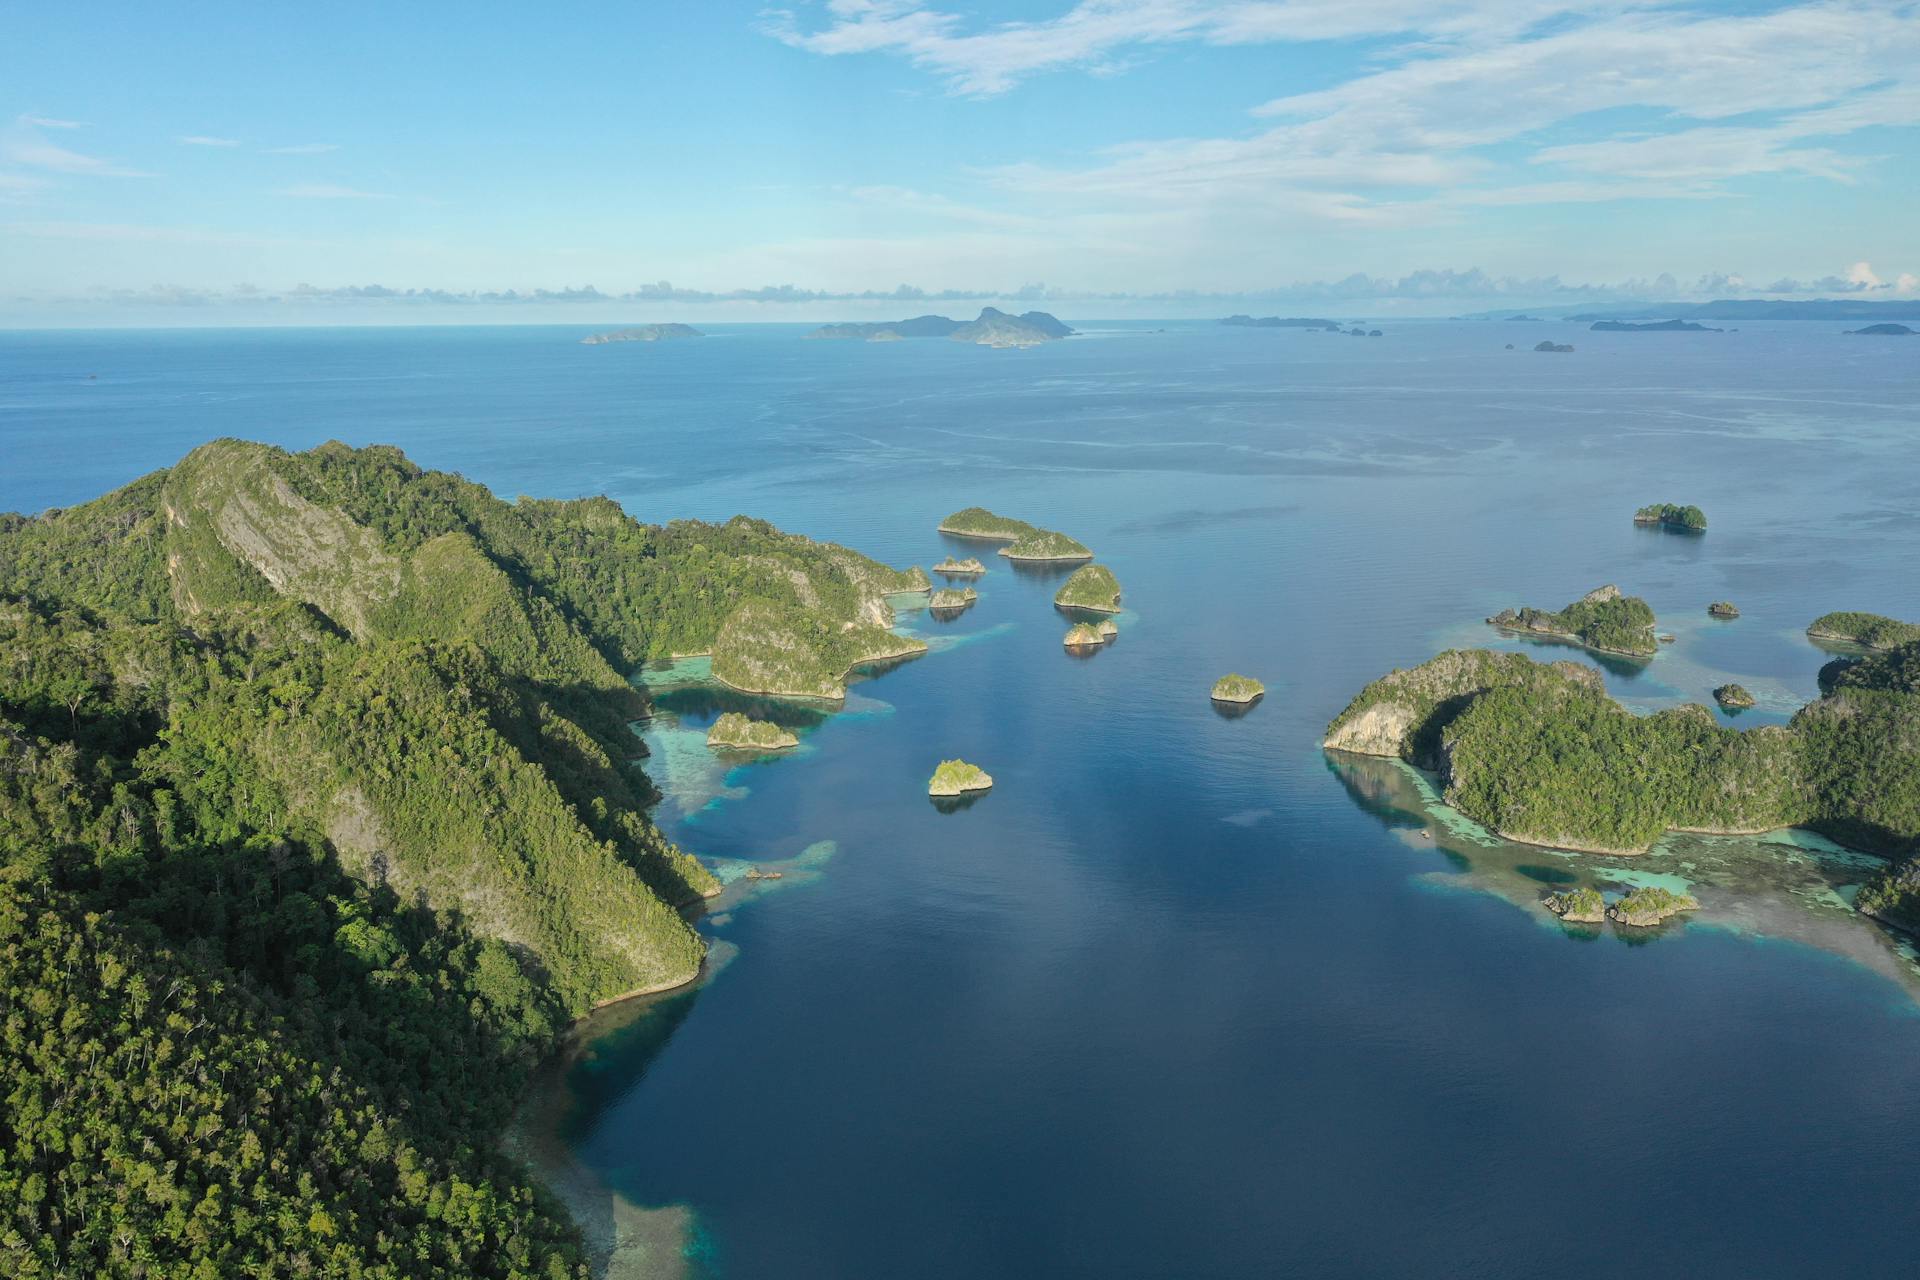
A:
1181,996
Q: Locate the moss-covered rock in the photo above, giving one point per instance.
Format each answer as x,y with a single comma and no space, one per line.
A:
1577,906
1237,688
957,777
1603,619
743,733
1091,587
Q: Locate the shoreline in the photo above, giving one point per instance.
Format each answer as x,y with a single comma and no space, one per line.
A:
1576,641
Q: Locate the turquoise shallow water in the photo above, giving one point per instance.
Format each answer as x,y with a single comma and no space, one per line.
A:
1179,997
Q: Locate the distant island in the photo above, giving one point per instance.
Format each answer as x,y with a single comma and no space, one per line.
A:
1025,541
1673,515
1092,587
1651,326
968,568
1869,630
1761,309
957,777
645,333
1281,322
1884,331
1559,347
1723,609
740,732
1603,619
993,328
1238,688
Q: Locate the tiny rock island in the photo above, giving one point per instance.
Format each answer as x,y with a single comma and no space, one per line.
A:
1083,635
1577,906
643,333
1603,619
968,568
1238,688
957,777
1868,630
1109,630
1672,515
1561,347
1092,587
1723,609
1645,907
1734,697
951,600
743,733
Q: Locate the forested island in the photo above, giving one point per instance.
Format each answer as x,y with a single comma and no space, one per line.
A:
952,600
644,333
1538,752
992,328
968,568
319,825
1024,541
1235,687
1683,518
1723,609
1868,630
957,777
1091,587
739,732
1603,619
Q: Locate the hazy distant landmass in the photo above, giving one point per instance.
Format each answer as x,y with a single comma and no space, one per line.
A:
993,328
1885,331
1281,322
1761,309
1652,326
643,333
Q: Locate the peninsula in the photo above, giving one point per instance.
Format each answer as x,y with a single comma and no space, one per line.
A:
1603,619
742,733
644,333
1868,630
1092,587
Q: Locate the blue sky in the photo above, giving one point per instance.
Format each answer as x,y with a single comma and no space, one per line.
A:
256,162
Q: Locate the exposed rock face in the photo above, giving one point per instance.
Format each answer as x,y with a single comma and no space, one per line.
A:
968,568
1108,629
951,599
1396,715
1723,609
1083,636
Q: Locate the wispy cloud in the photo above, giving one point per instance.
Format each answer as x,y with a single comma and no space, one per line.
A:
202,140
303,149
33,121
330,191
23,144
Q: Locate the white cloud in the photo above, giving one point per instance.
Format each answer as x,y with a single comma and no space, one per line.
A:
303,149
23,144
48,122
202,140
330,191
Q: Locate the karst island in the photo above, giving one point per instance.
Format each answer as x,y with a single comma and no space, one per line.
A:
1672,515
957,777
1236,688
1091,587
1603,620
738,732
1025,542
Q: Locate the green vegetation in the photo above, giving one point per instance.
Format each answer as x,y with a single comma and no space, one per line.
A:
1044,544
1649,906
968,568
1723,609
955,777
952,598
1577,906
318,824
1083,635
1734,697
1602,619
744,733
1539,753
1237,688
1092,587
1870,630
1672,515
978,522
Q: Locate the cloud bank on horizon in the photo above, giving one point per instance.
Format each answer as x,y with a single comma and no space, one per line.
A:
1125,150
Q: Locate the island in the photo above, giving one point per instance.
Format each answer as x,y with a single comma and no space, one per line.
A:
1550,345
1280,322
1651,326
968,568
743,733
644,333
1026,541
952,600
1577,906
992,328
1045,545
1083,635
1091,587
1723,609
1884,331
957,777
1672,516
1603,620
1868,630
1109,630
1648,906
1235,687
1734,697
